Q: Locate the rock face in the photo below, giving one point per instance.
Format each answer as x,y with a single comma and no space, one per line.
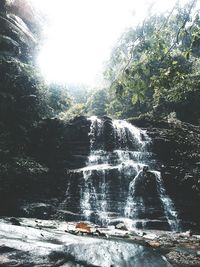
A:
61,145
15,38
17,35
177,150
22,104
39,172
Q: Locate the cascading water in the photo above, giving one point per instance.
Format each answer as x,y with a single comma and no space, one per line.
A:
117,181
93,193
168,205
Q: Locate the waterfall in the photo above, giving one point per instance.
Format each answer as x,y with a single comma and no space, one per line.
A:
93,193
168,205
120,180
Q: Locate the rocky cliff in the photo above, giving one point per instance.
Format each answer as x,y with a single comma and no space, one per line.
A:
22,99
177,150
35,182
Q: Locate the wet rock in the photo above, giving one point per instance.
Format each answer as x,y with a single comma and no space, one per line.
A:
16,39
182,259
38,210
15,221
121,226
21,178
189,233
31,246
61,145
9,46
108,135
154,244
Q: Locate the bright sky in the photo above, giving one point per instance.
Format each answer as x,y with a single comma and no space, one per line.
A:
81,34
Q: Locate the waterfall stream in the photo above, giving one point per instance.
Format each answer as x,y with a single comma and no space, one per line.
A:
168,205
121,182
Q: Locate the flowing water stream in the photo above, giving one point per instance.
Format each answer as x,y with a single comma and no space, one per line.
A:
121,182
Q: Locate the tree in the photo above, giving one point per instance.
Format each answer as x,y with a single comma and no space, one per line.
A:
76,110
59,99
23,93
96,104
153,64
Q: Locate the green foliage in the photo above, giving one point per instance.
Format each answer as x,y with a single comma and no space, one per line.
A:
96,104
155,67
59,99
75,111
23,93
78,93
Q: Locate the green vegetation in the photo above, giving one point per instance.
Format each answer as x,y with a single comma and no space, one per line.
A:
97,102
59,99
23,93
154,68
75,111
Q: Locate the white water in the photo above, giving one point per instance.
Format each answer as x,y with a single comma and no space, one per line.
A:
128,159
168,205
132,206
91,200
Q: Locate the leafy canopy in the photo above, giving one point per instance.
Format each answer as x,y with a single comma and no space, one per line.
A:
154,68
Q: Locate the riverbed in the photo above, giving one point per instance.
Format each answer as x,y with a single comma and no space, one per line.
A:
31,242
